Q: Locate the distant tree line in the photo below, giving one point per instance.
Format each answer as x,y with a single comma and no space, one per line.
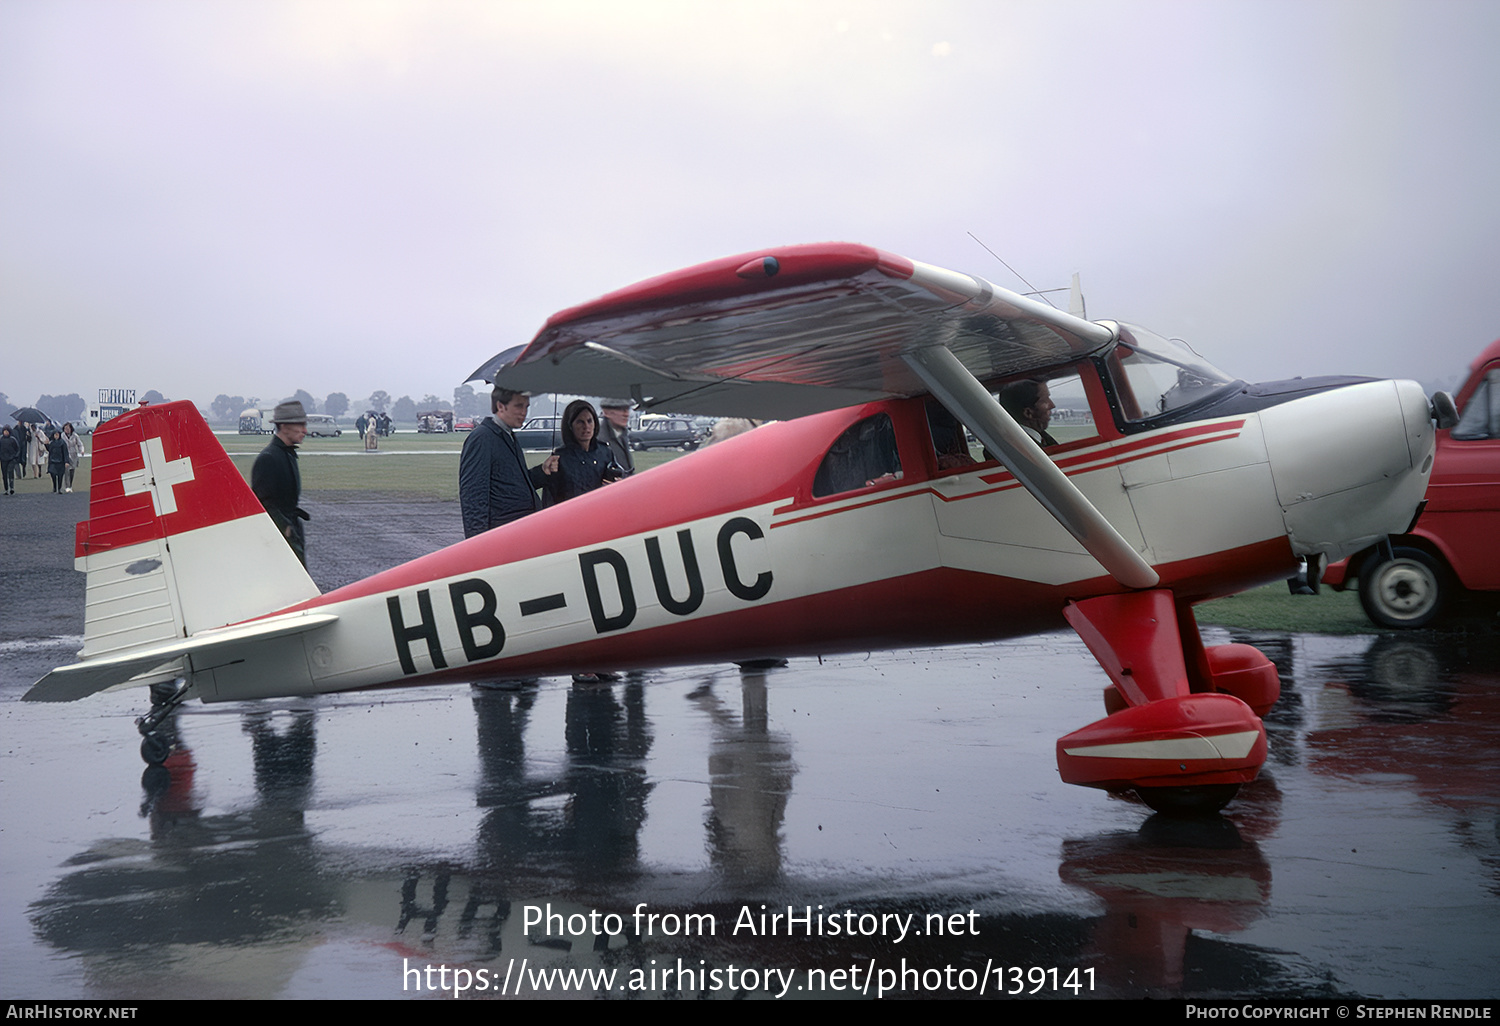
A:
64,408
227,408
61,408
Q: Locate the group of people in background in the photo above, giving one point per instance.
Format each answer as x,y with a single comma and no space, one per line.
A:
380,422
33,447
371,427
495,486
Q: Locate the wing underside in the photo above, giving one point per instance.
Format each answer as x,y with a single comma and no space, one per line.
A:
788,332
812,328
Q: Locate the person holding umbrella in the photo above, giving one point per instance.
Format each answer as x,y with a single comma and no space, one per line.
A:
38,454
584,463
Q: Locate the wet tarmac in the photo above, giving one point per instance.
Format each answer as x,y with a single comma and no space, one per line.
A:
905,806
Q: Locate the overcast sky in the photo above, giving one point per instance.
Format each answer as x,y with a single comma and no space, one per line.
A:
255,197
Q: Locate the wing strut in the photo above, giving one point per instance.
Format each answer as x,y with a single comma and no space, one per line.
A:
964,397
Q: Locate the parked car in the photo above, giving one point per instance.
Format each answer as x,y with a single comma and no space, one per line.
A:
435,422
664,433
321,425
252,423
1454,546
540,433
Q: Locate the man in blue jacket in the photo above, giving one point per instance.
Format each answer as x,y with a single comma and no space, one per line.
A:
494,484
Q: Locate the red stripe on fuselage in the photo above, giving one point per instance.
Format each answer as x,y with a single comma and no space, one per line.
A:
1098,457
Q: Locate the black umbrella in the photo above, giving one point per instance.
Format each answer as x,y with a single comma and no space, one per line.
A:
31,415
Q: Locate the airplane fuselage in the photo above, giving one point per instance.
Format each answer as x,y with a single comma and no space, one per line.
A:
728,553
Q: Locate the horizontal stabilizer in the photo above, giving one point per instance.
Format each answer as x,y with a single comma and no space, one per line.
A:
70,683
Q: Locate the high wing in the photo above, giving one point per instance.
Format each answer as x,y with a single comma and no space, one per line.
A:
805,329
788,332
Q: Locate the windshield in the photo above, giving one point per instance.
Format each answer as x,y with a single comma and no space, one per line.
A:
1481,418
1154,375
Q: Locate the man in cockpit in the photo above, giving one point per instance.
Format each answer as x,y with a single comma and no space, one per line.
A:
1029,401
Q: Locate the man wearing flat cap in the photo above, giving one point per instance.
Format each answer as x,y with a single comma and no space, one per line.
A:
275,479
614,431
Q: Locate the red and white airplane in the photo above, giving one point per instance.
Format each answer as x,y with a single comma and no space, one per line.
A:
834,530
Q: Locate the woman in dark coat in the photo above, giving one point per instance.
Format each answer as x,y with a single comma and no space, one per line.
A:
10,458
583,462
57,460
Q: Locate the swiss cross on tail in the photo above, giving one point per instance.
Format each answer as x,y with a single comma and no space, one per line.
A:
159,476
166,454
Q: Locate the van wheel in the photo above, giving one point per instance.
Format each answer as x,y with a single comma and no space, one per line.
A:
1407,590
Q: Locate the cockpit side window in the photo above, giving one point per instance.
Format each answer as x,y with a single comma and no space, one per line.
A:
1053,408
864,455
950,439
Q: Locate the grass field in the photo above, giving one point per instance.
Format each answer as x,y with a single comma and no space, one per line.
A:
410,464
427,465
1273,608
414,464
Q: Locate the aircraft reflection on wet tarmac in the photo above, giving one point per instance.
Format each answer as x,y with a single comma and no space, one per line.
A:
353,838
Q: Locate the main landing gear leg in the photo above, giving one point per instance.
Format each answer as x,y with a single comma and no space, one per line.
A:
1183,739
157,744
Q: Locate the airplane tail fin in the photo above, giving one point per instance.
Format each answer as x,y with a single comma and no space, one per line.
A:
176,542
1076,305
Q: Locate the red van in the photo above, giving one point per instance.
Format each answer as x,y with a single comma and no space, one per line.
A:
1455,544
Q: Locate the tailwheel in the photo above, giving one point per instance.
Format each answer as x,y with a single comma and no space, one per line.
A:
155,749
1193,800
157,744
